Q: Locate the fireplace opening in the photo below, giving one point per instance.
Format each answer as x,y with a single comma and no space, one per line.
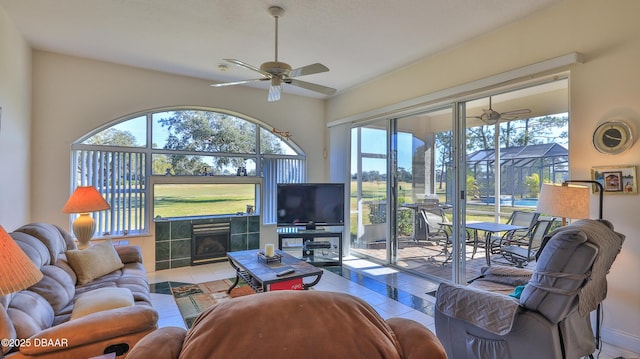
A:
210,242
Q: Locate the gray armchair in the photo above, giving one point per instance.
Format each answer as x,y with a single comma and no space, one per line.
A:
551,317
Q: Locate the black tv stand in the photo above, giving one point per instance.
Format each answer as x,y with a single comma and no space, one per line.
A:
316,246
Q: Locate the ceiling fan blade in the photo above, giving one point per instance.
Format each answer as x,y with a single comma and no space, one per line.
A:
308,70
274,93
247,66
313,87
222,84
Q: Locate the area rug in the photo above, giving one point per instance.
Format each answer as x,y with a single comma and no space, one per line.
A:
193,299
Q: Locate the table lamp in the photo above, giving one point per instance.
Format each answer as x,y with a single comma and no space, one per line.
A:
565,200
85,199
16,269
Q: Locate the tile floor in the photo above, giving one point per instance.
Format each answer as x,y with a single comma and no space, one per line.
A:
391,292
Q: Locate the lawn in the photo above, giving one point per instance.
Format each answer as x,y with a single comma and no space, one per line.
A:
179,200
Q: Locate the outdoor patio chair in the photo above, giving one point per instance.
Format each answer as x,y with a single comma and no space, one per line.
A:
440,233
517,237
522,255
521,236
437,231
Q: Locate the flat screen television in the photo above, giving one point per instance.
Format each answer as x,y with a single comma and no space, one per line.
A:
310,204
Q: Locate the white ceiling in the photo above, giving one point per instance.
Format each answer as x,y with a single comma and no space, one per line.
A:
357,39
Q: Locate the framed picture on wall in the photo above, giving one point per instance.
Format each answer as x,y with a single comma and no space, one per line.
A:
615,179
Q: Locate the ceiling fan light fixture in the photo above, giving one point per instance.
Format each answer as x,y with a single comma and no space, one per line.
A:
274,92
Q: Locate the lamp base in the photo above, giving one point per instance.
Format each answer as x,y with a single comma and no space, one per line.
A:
83,227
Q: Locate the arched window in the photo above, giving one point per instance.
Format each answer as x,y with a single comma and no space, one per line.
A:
181,145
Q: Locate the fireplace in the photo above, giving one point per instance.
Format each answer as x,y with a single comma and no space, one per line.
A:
209,242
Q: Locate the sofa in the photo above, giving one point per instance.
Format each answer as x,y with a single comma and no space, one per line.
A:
88,303
545,313
292,324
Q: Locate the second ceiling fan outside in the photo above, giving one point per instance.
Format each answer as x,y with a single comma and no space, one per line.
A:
491,117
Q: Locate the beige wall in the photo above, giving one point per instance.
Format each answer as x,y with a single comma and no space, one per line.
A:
606,86
73,96
15,100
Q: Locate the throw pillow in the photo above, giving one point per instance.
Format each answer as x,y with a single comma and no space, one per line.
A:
94,262
101,299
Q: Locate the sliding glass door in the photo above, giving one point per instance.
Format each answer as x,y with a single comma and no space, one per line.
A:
421,151
418,179
368,199
515,141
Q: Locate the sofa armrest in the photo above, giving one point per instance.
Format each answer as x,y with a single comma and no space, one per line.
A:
416,340
163,343
93,328
129,253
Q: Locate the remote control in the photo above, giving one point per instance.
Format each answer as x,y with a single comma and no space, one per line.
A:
285,272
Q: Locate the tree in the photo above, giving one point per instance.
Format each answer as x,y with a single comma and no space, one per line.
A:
536,130
532,131
112,137
403,175
533,184
522,132
208,133
480,138
443,145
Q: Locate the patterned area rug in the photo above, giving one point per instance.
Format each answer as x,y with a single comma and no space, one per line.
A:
193,299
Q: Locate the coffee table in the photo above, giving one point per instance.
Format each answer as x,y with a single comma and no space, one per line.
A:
260,274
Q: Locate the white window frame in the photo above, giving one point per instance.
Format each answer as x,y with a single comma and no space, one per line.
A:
131,212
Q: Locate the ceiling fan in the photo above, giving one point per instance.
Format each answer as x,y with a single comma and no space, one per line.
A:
279,73
491,117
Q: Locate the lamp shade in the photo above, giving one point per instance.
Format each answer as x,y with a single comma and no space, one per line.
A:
85,199
17,271
566,201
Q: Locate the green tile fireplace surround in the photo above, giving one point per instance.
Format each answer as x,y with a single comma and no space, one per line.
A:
173,237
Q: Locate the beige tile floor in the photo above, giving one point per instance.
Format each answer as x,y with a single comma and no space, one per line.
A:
391,292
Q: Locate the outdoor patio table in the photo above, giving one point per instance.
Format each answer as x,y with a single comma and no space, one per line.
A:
489,229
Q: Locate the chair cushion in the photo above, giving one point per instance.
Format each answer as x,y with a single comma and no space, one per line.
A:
100,300
94,262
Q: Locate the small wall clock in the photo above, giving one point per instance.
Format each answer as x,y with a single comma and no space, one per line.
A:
613,137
